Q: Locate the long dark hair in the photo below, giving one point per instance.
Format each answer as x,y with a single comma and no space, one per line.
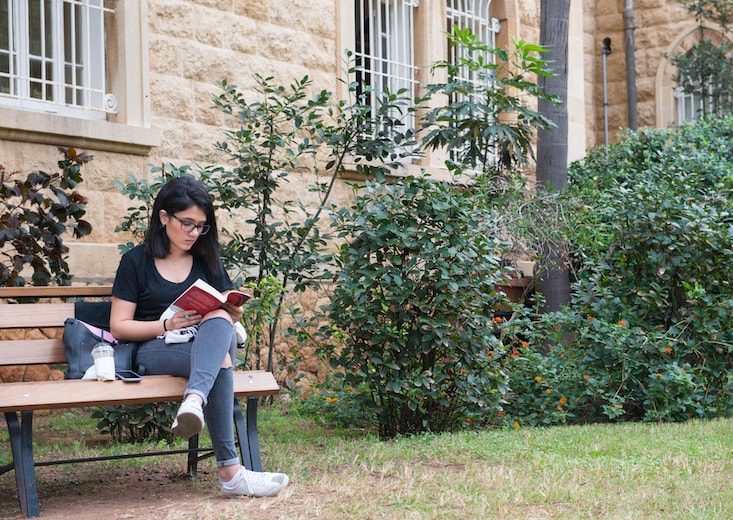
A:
177,195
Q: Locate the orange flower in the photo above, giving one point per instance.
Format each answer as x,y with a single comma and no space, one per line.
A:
525,344
538,378
658,374
501,414
558,408
622,323
586,377
516,424
591,318
468,420
498,319
332,399
667,350
549,390
563,400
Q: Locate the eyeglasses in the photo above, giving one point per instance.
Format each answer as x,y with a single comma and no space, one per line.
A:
188,226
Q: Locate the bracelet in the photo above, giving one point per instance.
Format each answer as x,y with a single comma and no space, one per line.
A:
165,329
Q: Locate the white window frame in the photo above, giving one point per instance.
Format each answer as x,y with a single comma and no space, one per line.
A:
383,47
690,106
473,15
129,130
65,74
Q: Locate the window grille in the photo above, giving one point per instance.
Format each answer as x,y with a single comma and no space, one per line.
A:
692,105
472,15
52,57
383,48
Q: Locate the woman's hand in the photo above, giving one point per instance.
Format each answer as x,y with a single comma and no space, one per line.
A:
183,319
235,312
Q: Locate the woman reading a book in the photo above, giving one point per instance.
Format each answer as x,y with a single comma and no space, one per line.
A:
180,247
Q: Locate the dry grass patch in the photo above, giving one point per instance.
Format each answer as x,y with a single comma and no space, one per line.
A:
626,471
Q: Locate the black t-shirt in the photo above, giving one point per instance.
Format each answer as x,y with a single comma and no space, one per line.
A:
137,280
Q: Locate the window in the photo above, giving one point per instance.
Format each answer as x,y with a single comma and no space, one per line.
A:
473,15
395,42
51,59
60,60
702,101
383,47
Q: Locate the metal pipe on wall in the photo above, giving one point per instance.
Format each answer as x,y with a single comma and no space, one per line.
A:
630,63
605,51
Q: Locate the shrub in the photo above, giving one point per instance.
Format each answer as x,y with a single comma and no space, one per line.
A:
137,423
333,402
653,246
36,211
414,293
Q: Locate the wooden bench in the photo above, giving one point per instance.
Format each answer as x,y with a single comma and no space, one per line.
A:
19,400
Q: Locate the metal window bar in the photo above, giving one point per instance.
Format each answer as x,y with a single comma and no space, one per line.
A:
691,106
383,49
473,15
7,52
52,55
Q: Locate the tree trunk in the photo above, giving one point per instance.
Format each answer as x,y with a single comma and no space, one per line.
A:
552,144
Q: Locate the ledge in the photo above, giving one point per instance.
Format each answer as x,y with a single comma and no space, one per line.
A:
36,127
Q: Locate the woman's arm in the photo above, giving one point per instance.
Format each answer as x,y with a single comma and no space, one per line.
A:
125,328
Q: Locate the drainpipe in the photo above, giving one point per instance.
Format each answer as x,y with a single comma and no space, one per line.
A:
630,62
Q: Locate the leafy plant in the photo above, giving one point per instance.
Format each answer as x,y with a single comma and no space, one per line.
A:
654,253
281,134
137,423
36,211
706,70
414,293
487,125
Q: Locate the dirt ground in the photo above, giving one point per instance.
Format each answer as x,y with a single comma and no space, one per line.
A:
163,491
156,488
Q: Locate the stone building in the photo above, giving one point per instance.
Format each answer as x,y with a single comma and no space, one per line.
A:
144,72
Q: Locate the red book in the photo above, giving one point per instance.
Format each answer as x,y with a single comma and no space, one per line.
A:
203,298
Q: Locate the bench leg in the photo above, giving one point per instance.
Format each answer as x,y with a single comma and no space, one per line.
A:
193,455
247,436
21,445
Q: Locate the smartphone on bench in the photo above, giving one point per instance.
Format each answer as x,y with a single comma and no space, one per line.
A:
128,376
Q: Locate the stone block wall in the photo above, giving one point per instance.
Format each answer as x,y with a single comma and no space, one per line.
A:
192,45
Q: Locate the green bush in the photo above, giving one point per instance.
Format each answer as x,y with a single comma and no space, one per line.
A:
36,211
333,402
652,245
137,423
413,294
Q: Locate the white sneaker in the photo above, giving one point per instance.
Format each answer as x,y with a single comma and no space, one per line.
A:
254,484
189,419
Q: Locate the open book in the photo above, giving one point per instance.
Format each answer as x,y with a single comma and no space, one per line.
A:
203,298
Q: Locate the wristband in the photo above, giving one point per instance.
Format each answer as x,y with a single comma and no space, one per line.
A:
165,329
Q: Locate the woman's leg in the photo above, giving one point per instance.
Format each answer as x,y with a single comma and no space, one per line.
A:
208,354
186,359
219,414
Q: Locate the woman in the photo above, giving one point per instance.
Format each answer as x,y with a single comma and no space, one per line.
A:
180,246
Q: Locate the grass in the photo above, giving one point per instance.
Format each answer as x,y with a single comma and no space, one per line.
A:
664,471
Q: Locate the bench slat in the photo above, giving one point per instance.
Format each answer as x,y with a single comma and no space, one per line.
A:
74,393
28,315
55,291
32,352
